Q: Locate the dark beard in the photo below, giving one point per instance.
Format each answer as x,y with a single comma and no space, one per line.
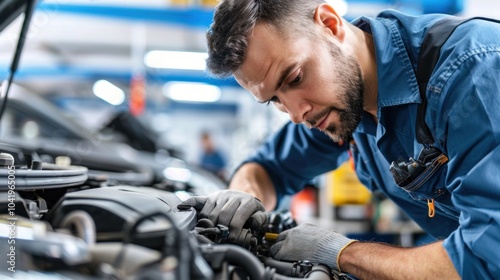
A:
353,98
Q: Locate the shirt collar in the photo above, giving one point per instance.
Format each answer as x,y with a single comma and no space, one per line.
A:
397,83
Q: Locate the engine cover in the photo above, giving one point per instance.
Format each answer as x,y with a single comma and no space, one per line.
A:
113,207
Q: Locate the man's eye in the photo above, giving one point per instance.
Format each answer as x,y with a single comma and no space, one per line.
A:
273,99
296,80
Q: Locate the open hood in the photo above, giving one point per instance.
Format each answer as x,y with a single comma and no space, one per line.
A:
10,10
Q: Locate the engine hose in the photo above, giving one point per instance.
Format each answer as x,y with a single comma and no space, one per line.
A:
289,269
83,223
318,272
284,268
238,256
257,270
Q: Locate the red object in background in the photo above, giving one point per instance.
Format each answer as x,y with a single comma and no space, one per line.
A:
137,102
303,205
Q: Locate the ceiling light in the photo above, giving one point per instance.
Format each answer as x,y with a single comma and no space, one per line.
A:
176,60
192,92
109,92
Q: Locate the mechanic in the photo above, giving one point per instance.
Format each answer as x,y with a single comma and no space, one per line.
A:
355,84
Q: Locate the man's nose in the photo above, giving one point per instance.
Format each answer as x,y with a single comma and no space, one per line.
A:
297,111
295,118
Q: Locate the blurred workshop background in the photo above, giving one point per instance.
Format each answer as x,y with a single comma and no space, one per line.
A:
133,72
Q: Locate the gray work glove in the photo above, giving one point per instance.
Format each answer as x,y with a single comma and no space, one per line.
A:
312,243
230,208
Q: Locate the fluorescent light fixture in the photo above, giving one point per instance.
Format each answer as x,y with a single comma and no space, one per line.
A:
191,92
109,92
176,60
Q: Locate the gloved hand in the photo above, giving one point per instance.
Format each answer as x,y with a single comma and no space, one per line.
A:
312,243
230,208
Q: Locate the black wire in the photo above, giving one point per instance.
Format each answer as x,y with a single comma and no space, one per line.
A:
17,54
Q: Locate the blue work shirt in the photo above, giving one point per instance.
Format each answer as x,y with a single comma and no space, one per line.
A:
463,115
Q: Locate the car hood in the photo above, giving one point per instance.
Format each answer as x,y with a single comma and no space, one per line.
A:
10,10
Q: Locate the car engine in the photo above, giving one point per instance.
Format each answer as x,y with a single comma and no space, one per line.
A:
59,222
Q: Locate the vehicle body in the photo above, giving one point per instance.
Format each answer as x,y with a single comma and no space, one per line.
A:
34,123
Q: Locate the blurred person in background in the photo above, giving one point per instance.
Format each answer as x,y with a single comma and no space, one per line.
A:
355,84
211,158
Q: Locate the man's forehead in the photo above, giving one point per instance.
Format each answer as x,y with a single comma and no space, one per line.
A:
265,44
253,87
258,60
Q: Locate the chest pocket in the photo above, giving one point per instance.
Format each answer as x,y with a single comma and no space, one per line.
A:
425,181
430,183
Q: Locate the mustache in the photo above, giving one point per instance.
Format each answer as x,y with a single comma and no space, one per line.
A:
313,121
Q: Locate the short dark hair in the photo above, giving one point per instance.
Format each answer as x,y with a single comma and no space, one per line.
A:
234,20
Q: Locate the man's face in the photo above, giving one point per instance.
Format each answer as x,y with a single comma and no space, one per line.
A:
310,79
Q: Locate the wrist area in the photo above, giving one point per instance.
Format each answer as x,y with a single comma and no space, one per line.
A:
331,248
340,253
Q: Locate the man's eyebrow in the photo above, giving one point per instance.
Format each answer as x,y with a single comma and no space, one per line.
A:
283,76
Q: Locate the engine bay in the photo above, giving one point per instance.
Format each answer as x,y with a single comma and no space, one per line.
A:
61,223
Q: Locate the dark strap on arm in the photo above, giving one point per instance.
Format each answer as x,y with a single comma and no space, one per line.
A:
429,54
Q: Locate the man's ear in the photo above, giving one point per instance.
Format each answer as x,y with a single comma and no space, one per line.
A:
326,16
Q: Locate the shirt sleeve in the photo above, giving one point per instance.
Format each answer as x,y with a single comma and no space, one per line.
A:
467,125
294,155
